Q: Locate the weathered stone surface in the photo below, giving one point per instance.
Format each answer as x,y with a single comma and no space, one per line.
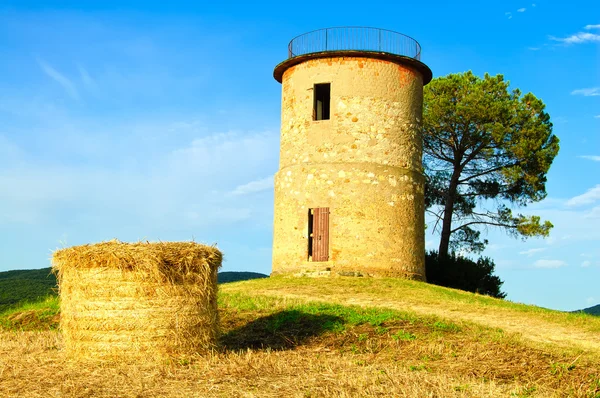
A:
364,164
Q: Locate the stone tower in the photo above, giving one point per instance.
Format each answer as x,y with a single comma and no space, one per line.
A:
349,189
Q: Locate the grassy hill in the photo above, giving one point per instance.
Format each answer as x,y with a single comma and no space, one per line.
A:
337,337
595,310
25,286
235,276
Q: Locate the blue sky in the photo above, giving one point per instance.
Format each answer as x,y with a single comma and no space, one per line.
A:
147,120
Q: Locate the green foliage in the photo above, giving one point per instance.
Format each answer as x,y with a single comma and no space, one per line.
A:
39,315
463,273
484,145
226,277
23,286
524,392
595,310
342,314
402,335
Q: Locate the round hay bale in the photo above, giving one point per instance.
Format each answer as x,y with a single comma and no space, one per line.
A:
138,300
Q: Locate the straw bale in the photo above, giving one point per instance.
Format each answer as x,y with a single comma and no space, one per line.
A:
138,300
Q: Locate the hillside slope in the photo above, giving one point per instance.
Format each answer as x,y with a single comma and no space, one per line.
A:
595,310
341,337
25,285
534,324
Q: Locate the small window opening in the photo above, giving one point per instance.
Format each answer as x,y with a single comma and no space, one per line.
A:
322,101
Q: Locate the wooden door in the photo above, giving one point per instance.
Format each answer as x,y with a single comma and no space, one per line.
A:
320,234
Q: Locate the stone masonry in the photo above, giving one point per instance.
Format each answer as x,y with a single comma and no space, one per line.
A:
364,164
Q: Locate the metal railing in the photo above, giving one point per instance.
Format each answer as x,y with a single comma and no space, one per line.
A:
354,38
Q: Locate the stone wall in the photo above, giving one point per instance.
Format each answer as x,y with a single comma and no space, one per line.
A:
364,164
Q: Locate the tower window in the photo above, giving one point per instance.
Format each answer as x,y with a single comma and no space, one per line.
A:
322,101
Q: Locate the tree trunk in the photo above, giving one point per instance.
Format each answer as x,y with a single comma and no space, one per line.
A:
448,210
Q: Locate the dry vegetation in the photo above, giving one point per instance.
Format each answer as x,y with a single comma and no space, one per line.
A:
299,338
129,300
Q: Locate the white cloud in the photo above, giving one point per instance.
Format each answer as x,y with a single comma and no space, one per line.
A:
586,263
594,213
148,189
66,84
549,264
531,252
254,186
591,196
533,5
587,92
577,38
597,116
522,9
590,157
533,48
508,15
86,78
588,27
591,300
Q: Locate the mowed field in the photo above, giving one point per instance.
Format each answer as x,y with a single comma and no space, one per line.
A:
339,337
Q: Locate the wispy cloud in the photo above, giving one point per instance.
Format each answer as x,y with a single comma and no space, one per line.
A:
591,196
533,48
86,78
590,300
508,15
586,263
531,252
55,75
254,186
549,264
522,9
588,27
590,157
594,213
577,38
597,116
587,92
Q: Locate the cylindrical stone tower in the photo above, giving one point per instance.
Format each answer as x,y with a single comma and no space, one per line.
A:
349,190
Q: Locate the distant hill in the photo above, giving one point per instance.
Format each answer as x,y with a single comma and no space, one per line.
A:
25,285
595,310
35,284
226,277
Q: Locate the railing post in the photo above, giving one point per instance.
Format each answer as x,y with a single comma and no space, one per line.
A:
326,34
379,40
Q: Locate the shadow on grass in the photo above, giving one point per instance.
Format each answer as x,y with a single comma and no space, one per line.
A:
279,331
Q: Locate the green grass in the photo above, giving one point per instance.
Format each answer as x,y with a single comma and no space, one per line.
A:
416,292
595,310
375,335
17,287
39,315
279,322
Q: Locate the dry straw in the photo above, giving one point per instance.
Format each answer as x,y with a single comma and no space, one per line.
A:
138,300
